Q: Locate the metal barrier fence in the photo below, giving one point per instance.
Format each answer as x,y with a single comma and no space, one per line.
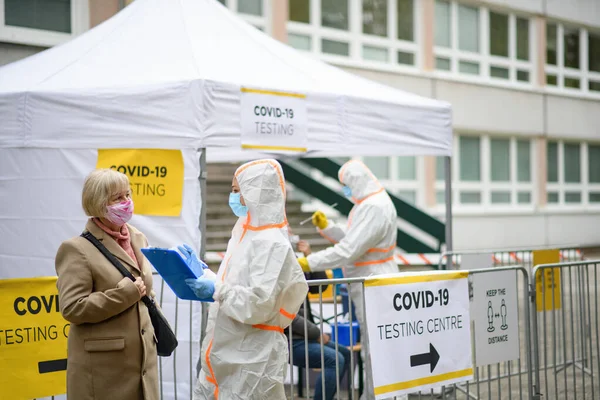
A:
510,379
177,373
559,354
507,380
509,257
566,340
329,314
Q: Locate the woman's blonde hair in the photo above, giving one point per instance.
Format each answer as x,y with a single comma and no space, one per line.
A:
99,186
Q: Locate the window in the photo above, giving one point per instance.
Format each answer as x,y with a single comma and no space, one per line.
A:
379,166
491,172
500,151
335,47
594,173
48,15
470,159
570,64
252,11
252,7
377,32
480,42
572,163
468,29
498,34
335,14
299,11
374,14
443,24
399,175
570,180
405,16
42,22
594,62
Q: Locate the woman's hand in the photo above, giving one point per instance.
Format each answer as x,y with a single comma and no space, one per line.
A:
304,248
139,283
324,339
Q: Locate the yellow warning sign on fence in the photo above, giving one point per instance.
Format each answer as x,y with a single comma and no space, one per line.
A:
33,339
155,177
547,281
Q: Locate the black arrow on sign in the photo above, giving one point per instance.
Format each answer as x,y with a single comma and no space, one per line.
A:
430,358
45,367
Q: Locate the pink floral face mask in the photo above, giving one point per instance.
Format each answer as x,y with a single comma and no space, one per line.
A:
120,213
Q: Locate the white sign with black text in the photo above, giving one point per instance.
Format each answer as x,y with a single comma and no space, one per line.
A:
273,121
496,317
419,331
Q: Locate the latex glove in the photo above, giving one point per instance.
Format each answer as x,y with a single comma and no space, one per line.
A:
319,219
203,288
304,264
192,260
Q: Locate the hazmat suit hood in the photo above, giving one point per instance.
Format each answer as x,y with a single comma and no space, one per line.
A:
359,178
262,186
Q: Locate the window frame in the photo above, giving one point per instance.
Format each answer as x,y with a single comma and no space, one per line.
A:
357,40
80,22
394,185
561,72
561,187
484,58
485,186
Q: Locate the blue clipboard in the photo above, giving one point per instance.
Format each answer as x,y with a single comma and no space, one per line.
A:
173,269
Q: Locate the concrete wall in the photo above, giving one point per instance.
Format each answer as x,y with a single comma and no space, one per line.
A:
490,109
528,6
586,12
13,52
573,118
479,232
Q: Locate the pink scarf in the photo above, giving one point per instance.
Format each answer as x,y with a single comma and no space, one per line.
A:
122,238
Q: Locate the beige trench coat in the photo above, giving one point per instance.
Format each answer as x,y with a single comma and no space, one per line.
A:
111,346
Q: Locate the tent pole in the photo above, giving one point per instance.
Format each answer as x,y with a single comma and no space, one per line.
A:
448,179
202,227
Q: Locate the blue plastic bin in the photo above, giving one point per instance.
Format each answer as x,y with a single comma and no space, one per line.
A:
344,333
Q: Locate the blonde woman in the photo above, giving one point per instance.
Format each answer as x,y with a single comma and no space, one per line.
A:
111,346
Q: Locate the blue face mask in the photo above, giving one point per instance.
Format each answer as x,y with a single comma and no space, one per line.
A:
347,192
236,206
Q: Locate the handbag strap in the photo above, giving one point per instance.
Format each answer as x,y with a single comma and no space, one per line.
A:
114,261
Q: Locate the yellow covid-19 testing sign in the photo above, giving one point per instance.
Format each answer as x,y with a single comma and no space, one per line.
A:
155,177
33,339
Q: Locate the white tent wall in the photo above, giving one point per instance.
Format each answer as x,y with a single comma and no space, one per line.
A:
40,193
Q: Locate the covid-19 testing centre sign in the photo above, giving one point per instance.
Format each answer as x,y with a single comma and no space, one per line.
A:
419,331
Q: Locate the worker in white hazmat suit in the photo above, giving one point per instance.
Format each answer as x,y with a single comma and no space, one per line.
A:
365,246
257,292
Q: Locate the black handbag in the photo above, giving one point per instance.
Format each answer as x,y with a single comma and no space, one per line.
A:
166,339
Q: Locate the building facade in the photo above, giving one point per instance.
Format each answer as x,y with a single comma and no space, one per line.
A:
523,77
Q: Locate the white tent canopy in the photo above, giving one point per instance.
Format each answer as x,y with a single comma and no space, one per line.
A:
165,73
